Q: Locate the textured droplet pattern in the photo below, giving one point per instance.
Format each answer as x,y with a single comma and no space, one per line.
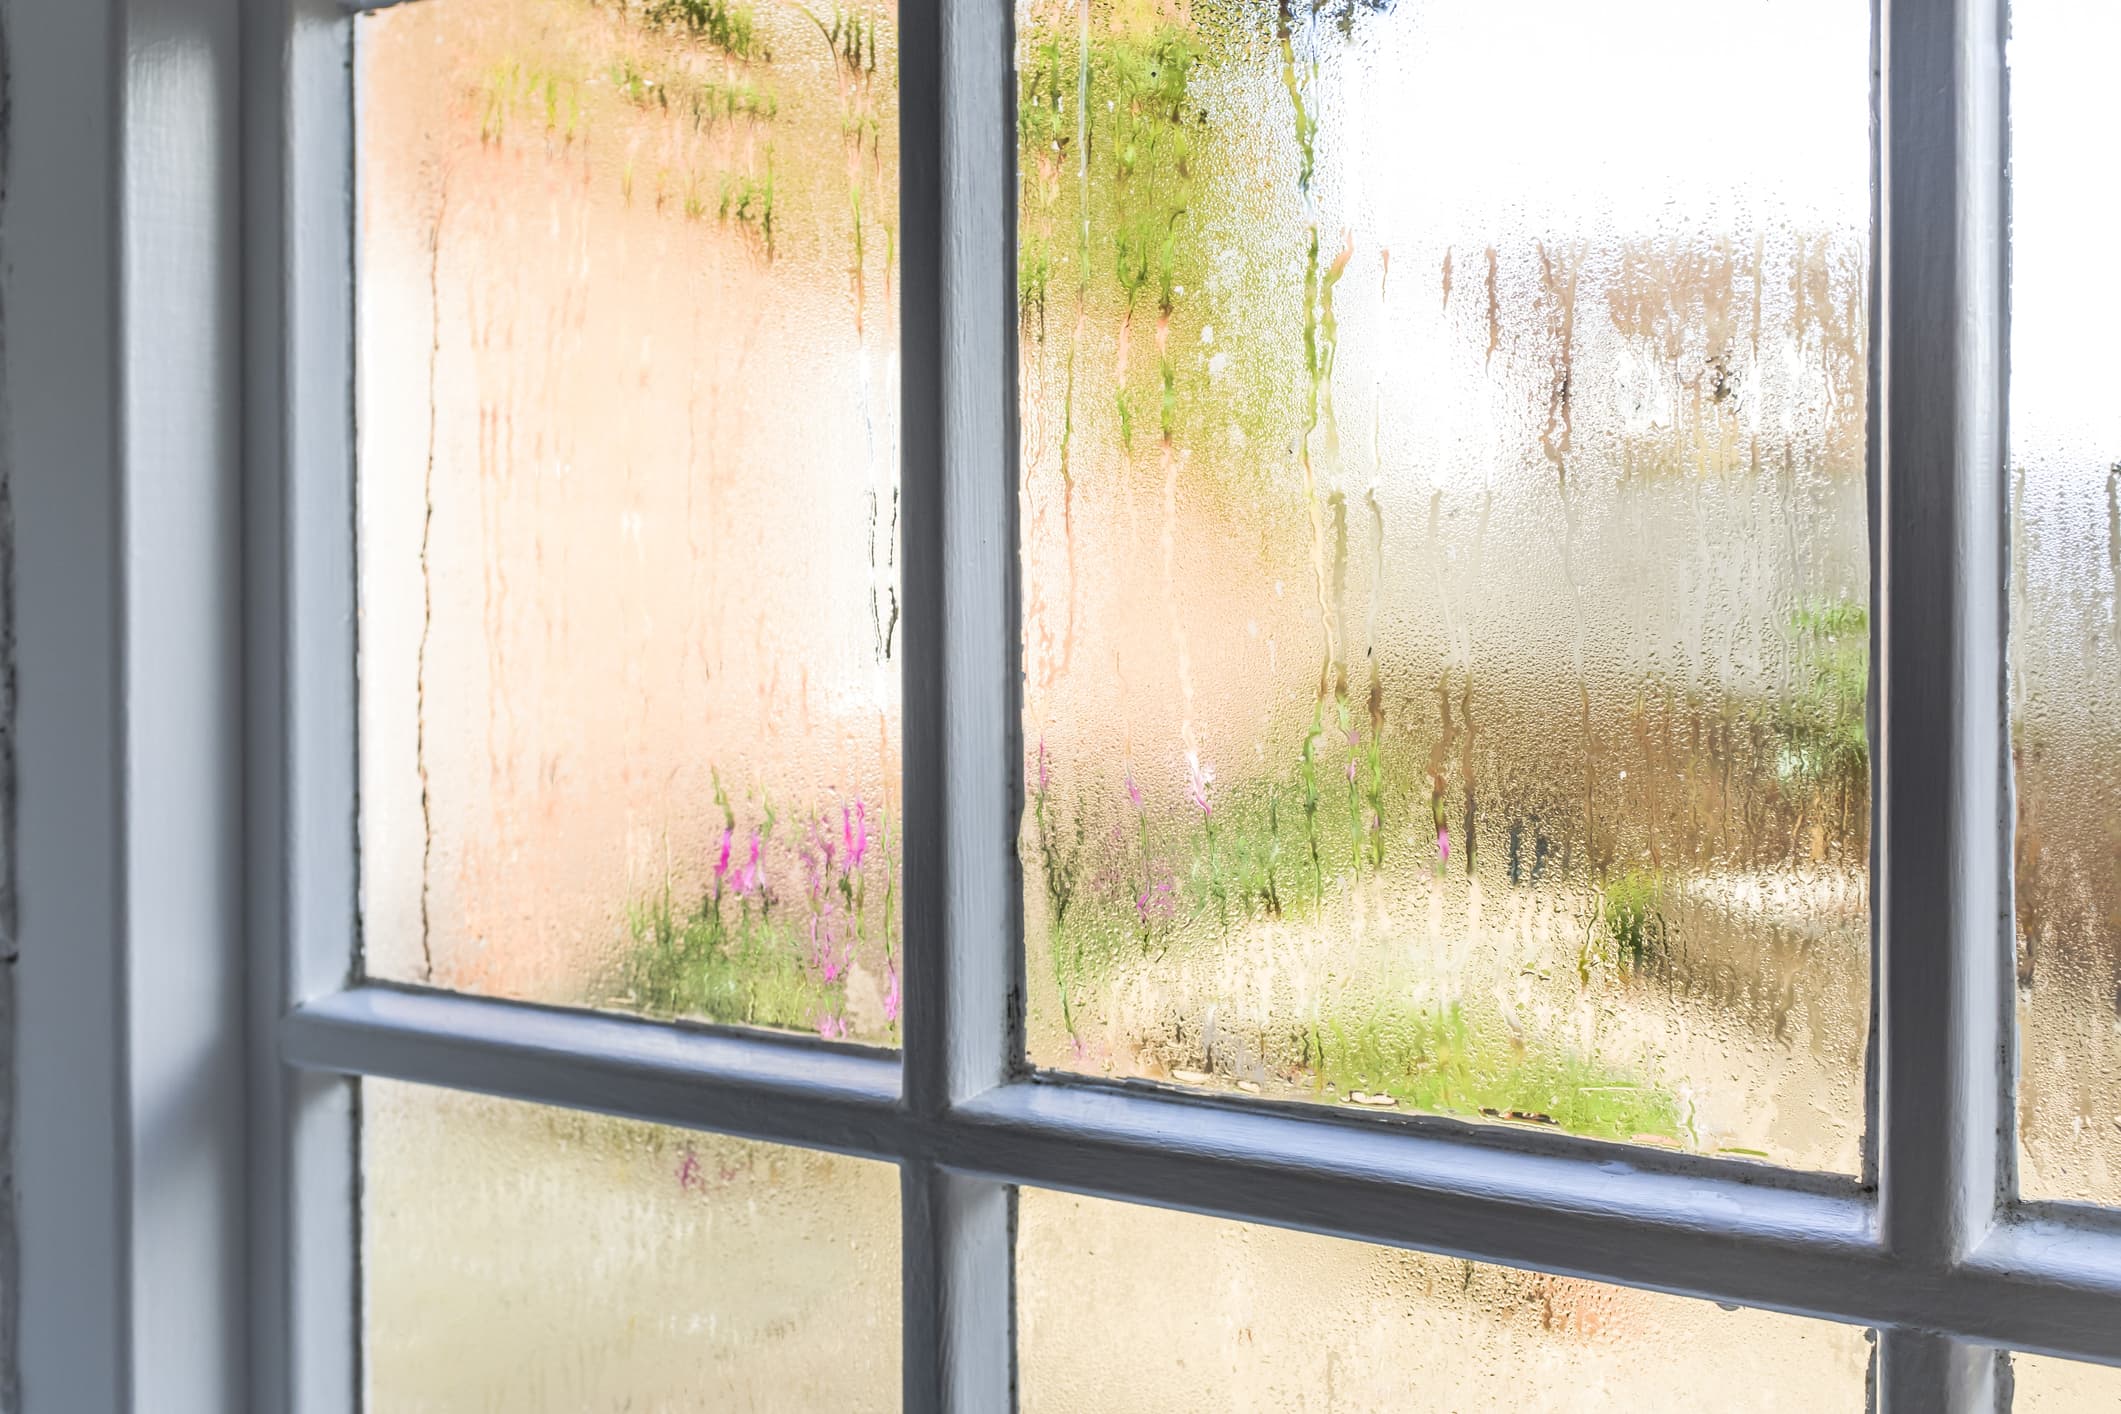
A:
544,1261
1138,1309
2065,643
1445,566
630,640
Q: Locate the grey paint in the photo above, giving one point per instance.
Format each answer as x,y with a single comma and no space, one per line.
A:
963,758
121,459
299,703
10,1286
1942,896
62,462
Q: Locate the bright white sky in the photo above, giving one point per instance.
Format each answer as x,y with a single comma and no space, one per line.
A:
2066,290
1548,115
1552,116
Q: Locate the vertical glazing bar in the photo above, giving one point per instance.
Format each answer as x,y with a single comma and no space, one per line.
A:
959,1241
963,934
299,694
1943,898
1918,1370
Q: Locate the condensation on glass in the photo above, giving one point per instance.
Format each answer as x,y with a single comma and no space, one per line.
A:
628,346
1445,563
2040,1385
546,1261
1124,1308
2065,641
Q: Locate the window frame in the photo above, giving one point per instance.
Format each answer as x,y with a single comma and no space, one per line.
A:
1929,1244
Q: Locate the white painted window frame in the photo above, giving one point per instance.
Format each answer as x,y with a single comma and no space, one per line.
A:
184,639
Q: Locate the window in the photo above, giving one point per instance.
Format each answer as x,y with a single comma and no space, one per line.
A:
1410,671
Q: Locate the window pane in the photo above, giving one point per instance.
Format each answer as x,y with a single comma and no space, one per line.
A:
2044,1386
539,1260
2065,615
1127,1308
1445,558
629,481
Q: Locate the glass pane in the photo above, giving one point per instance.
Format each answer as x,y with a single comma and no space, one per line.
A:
629,484
1445,558
1126,1308
2065,426
2044,1386
545,1261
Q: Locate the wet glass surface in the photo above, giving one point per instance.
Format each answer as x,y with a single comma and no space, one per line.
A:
545,1261
1445,561
629,486
2065,462
1126,1308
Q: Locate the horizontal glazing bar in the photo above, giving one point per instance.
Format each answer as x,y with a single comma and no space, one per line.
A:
755,1086
2047,1282
2050,1282
1604,1218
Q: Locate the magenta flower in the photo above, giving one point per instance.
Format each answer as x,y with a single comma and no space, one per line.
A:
831,1027
1134,792
751,878
1199,778
721,865
823,959
689,1170
827,958
892,998
1351,770
1443,844
854,834
1156,903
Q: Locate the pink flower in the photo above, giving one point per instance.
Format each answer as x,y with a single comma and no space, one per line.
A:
854,834
1351,770
1199,778
721,865
1155,902
751,878
689,1169
832,1028
891,992
1443,845
826,959
1134,792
